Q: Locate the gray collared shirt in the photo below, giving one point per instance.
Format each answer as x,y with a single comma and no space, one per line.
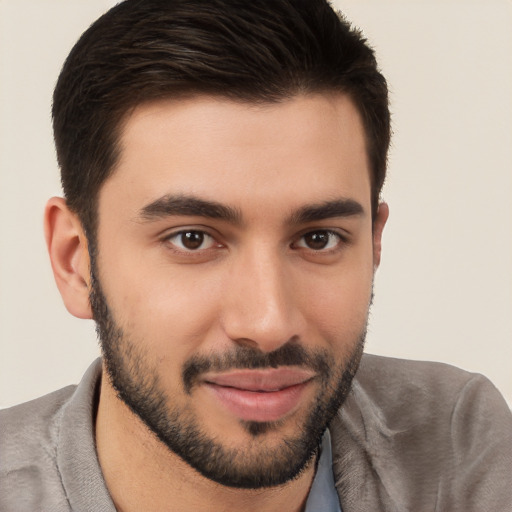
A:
411,436
48,457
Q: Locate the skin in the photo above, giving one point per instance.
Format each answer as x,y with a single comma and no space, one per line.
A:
254,282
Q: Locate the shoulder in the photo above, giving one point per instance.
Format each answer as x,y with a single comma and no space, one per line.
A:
409,371
429,398
28,416
30,428
399,381
416,391
28,443
421,433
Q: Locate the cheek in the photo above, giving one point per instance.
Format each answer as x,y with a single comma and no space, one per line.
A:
338,307
166,309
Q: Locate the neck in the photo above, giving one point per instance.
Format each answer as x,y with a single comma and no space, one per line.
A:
141,473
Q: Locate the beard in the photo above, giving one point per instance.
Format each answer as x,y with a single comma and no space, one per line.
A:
137,383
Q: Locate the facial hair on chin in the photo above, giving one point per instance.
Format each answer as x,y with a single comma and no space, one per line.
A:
137,384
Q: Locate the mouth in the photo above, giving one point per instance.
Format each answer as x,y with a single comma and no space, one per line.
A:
259,395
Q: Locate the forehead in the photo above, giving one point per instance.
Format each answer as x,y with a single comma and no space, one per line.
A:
301,150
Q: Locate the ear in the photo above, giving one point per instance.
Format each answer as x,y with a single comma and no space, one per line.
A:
69,256
378,228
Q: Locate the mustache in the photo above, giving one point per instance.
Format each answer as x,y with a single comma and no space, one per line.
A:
241,357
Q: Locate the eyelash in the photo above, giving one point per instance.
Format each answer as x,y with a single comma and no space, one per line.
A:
176,235
340,241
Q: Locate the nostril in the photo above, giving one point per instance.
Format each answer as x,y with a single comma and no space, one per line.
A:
246,343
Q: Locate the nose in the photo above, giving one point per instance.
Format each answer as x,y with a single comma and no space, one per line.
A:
260,308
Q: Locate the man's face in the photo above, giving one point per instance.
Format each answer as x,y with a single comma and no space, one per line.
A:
234,276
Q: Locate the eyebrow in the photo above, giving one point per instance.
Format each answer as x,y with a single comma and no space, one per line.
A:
329,209
169,205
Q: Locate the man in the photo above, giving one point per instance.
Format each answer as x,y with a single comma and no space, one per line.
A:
222,163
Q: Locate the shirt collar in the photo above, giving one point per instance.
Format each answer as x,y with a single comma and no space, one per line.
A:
323,496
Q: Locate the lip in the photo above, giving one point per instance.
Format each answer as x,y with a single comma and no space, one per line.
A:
259,395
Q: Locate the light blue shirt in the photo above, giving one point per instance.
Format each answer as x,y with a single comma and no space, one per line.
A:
323,496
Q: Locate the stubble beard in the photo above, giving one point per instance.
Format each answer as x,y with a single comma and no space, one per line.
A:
138,385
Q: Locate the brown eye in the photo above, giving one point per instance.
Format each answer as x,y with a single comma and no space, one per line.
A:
319,240
191,240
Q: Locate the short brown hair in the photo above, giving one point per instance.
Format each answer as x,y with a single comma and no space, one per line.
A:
255,51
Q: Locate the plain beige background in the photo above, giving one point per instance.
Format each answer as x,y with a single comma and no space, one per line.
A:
444,290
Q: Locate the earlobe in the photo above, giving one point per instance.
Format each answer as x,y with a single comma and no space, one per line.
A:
378,228
69,256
